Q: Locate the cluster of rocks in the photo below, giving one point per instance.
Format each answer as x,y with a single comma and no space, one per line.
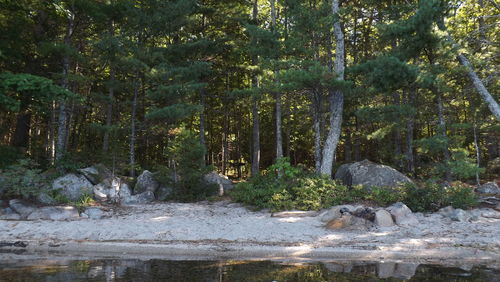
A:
22,210
104,186
468,216
361,218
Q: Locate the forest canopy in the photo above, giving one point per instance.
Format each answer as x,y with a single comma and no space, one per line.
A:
410,84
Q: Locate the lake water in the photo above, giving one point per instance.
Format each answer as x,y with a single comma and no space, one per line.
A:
61,269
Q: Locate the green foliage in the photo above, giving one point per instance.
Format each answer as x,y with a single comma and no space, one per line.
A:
295,188
432,196
186,176
8,156
22,180
462,166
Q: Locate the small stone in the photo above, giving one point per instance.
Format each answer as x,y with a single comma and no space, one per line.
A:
22,207
339,223
459,215
383,218
489,188
335,212
402,215
94,213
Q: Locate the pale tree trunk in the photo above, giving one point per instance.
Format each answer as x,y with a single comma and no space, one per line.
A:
336,98
202,121
316,109
442,132
111,94
109,111
255,113
478,151
478,84
132,127
279,134
62,130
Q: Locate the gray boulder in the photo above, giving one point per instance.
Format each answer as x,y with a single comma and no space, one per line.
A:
489,188
96,173
383,218
21,207
9,214
223,182
370,174
94,213
146,182
455,214
139,199
72,186
54,213
402,215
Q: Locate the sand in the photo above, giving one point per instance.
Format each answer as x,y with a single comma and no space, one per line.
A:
230,230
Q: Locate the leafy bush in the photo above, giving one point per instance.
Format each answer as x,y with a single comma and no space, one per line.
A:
432,196
303,190
22,180
283,187
188,169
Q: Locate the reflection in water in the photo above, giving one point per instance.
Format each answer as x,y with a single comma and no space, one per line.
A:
171,270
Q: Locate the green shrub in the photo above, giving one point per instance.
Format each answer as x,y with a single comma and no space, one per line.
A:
22,180
283,187
432,196
186,175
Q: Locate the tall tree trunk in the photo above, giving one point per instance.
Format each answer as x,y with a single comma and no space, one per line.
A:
348,146
62,130
316,109
133,127
410,124
442,132
279,134
109,109
202,123
478,151
397,137
255,112
336,98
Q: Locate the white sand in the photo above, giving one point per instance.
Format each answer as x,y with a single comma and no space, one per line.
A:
190,226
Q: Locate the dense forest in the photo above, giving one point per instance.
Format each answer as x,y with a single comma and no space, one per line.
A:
242,83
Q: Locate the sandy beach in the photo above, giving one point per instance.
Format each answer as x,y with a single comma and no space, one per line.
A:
227,229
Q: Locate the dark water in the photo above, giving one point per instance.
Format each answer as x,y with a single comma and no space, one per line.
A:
233,270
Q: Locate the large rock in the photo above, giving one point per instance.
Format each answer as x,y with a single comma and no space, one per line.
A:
370,174
139,199
112,190
96,173
402,214
489,188
72,186
54,213
146,182
383,218
21,207
223,182
163,192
